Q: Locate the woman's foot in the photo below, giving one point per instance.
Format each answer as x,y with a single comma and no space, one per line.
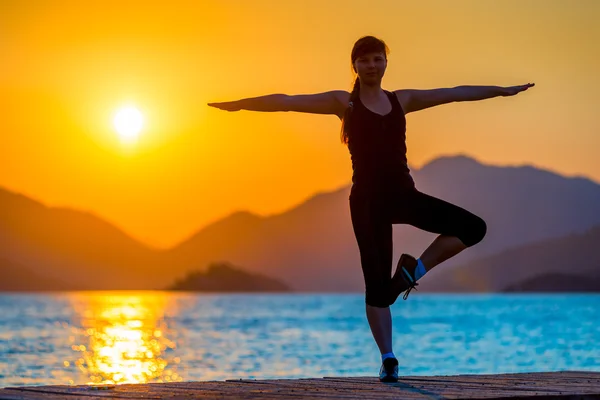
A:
389,370
404,277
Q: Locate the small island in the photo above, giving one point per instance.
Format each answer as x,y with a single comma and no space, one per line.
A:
225,277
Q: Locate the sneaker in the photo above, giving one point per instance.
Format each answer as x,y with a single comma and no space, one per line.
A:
404,277
389,370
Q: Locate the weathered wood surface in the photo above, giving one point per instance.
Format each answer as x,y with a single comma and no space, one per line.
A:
544,385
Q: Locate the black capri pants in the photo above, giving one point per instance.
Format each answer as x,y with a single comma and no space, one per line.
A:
373,214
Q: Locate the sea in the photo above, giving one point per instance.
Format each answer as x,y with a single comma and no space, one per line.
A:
74,338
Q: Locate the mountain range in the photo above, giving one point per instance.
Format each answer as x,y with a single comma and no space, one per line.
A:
310,247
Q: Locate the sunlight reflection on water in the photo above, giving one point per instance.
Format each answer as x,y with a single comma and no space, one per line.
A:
123,338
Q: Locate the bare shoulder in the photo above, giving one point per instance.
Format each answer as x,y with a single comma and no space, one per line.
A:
403,96
343,98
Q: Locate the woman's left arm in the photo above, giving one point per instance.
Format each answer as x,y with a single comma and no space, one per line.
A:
471,93
415,99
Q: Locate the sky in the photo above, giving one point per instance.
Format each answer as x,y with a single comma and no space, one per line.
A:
69,66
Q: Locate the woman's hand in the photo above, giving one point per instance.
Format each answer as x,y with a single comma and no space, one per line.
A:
512,90
227,106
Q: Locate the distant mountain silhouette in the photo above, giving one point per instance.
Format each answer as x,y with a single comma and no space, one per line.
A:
16,277
224,277
549,264
310,247
556,283
74,247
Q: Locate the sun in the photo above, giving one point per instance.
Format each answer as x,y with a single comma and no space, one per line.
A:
128,122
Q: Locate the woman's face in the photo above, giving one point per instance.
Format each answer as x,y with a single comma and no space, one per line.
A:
370,67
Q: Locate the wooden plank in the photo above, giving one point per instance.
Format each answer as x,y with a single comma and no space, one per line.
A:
555,385
19,394
476,386
508,382
312,389
329,390
65,394
523,378
449,389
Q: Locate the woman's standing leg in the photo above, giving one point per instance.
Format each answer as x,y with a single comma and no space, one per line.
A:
373,232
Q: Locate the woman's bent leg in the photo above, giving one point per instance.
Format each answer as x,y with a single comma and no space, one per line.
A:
442,248
458,228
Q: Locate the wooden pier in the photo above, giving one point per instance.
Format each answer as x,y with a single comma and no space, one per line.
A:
547,385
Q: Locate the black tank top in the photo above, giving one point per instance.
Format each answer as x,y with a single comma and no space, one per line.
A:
377,145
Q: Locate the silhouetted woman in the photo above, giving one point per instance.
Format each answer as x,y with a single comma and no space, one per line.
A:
383,192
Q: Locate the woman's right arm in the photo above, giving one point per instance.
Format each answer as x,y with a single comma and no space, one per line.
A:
268,103
331,102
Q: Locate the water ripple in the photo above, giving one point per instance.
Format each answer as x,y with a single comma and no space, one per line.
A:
121,337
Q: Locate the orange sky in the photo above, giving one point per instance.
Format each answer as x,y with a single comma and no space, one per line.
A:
68,66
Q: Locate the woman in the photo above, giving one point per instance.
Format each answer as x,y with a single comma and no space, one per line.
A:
383,192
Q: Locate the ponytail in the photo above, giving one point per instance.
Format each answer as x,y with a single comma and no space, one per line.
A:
347,114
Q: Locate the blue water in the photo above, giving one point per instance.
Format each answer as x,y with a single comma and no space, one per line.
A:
125,337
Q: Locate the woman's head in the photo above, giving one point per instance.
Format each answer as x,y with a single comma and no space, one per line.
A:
368,63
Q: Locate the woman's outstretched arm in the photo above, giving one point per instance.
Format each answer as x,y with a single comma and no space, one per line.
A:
331,102
471,93
267,103
414,99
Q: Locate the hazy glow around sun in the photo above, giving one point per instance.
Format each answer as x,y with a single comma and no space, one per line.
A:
128,123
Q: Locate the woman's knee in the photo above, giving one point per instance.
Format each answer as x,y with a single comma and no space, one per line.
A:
379,301
477,230
379,296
